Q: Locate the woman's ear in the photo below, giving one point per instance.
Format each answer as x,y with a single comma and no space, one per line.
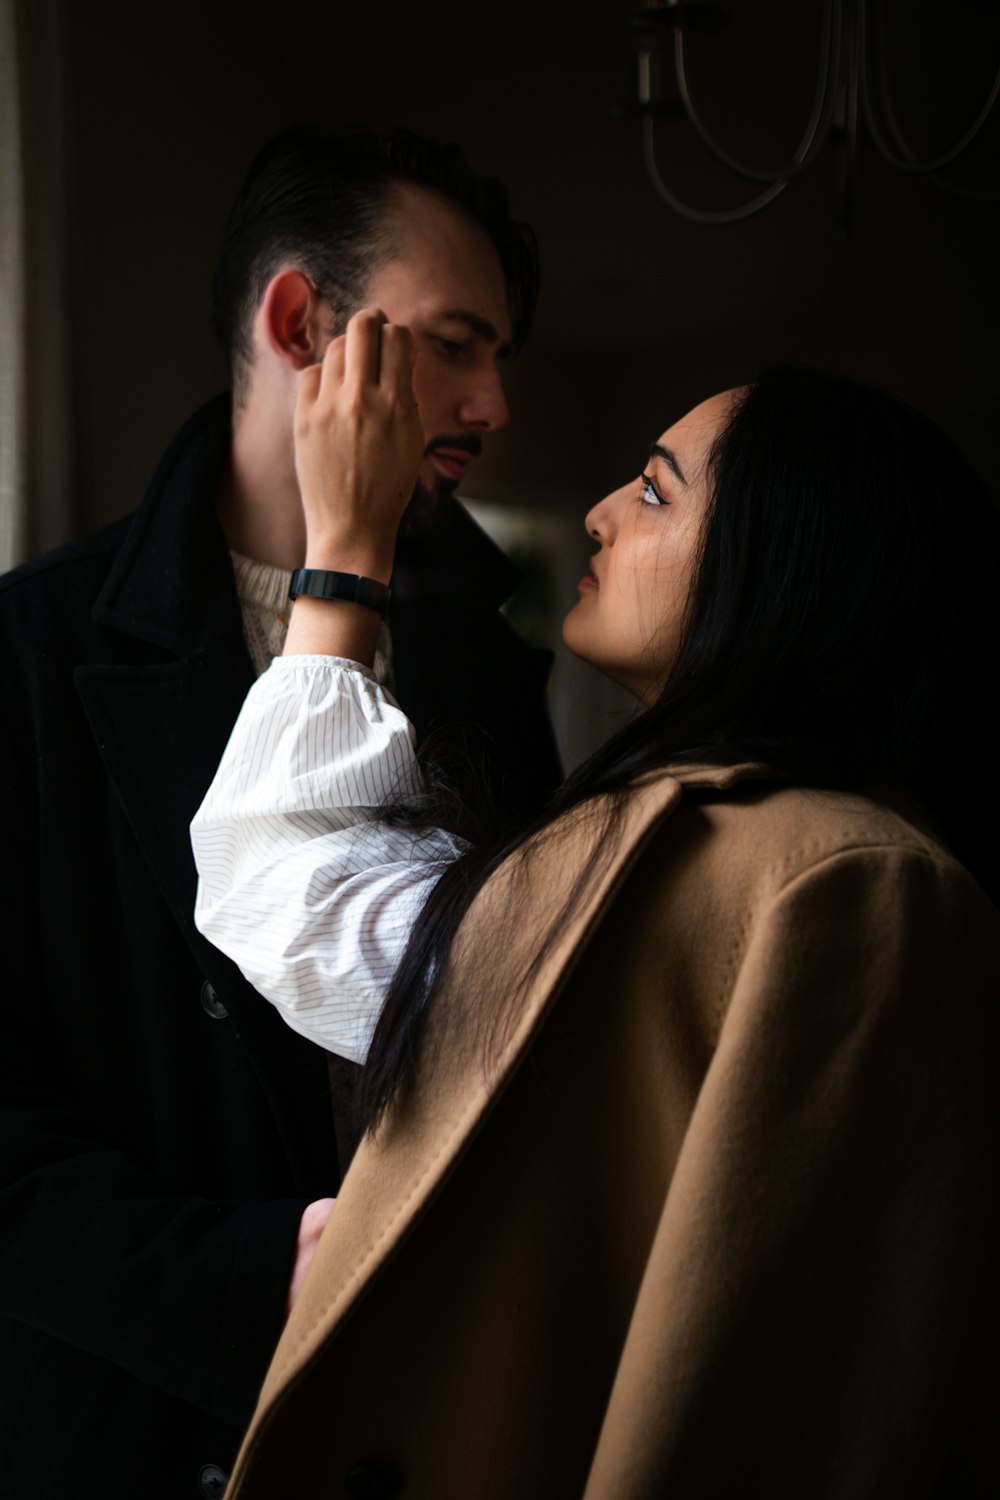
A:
293,319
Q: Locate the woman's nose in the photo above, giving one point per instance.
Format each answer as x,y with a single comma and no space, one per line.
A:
599,520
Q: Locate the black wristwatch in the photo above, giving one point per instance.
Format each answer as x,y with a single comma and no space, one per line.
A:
320,583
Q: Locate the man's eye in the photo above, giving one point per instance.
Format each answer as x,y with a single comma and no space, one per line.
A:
649,494
452,347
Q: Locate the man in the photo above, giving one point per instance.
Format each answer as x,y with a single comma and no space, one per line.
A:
168,1147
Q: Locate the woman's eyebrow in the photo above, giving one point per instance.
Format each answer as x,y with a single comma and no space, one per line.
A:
669,458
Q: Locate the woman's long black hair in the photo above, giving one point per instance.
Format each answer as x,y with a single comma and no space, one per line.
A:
843,627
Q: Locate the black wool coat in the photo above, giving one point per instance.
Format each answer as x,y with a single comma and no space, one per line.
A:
161,1129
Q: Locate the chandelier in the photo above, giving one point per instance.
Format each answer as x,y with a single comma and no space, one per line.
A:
852,95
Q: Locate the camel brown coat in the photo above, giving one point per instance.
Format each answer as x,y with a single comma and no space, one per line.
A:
705,1208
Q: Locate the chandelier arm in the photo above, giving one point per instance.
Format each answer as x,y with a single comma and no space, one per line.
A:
848,142
907,161
879,38
701,215
820,114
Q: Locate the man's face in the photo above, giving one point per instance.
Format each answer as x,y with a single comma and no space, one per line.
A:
447,287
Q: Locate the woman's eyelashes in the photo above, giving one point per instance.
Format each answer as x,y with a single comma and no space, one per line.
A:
649,494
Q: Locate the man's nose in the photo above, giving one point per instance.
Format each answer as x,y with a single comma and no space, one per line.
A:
484,405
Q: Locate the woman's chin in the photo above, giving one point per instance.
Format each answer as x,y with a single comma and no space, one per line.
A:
580,638
575,632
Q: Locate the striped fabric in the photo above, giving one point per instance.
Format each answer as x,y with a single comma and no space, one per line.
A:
299,882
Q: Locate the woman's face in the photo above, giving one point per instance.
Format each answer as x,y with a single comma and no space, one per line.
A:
630,614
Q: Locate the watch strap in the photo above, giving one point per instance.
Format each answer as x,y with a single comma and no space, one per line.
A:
322,583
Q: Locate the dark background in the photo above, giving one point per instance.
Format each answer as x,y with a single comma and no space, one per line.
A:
642,314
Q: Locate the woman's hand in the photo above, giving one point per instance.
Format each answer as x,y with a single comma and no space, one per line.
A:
358,445
311,1227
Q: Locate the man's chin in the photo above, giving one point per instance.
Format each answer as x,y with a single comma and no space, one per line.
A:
426,504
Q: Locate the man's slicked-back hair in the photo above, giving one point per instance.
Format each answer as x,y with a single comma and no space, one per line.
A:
316,199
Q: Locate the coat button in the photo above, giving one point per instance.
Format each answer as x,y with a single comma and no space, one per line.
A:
372,1481
213,1481
212,1006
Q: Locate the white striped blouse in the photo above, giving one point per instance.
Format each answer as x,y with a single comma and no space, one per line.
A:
299,882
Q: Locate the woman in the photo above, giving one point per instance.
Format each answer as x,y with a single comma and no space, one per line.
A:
682,1172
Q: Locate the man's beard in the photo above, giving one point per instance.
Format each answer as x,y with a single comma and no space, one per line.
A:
427,504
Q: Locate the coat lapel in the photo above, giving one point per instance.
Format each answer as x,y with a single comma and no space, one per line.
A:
448,584
445,570
162,707
396,1176
473,689
161,700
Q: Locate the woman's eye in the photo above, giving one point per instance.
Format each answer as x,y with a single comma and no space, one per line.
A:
649,494
452,347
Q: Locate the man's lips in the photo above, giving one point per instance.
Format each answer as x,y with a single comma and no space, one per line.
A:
453,455
451,462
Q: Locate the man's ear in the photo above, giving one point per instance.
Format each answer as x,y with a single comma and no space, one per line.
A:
294,319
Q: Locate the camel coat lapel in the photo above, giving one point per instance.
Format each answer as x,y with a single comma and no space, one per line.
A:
395,1177
398,1174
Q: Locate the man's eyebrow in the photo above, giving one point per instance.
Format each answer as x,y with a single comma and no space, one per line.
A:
669,458
481,326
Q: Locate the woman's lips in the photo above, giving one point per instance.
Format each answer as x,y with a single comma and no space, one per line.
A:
589,580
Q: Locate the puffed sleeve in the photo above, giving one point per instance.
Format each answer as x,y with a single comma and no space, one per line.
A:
300,882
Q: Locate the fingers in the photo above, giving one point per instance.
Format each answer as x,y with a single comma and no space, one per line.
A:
363,338
309,381
325,378
314,1217
376,353
356,412
396,372
330,373
370,352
